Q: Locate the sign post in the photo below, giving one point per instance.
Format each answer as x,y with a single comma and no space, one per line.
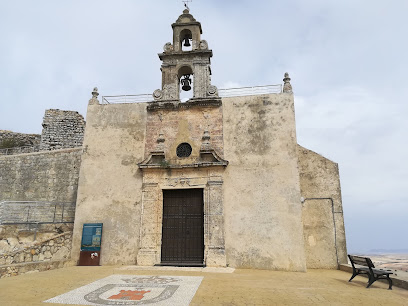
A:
90,253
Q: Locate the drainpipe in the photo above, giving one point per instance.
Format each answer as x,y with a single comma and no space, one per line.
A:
334,221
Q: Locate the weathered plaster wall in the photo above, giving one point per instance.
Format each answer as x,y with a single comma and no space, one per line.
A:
323,230
261,184
110,185
44,176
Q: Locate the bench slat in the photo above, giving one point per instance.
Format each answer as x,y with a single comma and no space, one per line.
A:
362,261
376,271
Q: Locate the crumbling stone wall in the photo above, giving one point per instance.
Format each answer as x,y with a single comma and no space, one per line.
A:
54,249
9,139
62,129
43,176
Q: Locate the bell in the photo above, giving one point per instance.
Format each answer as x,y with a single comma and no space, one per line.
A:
186,83
186,42
186,87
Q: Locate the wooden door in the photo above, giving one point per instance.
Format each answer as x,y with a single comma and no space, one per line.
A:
183,227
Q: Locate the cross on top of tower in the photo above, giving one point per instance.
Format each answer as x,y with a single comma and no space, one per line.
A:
186,2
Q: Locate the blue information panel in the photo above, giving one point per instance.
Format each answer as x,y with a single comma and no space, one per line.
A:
91,237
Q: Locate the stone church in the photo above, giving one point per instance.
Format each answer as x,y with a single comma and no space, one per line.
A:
215,181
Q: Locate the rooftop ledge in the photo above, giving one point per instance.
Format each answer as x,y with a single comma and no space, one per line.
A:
222,93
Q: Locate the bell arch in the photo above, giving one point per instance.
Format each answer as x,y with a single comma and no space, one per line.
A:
186,40
185,76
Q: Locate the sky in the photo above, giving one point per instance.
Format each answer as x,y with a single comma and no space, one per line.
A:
347,60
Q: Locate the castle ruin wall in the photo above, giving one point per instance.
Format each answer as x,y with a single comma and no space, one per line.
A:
9,139
44,176
62,129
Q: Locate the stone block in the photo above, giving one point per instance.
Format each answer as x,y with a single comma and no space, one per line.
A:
62,253
28,257
150,240
216,257
147,257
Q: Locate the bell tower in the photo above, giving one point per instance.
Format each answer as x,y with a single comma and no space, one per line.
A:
186,64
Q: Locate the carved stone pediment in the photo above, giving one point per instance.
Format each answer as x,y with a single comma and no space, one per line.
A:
207,158
155,158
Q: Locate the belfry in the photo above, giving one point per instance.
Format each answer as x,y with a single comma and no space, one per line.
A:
180,66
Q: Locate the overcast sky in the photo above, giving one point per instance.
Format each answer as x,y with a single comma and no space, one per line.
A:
347,60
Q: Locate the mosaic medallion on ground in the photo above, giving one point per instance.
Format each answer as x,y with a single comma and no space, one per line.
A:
134,290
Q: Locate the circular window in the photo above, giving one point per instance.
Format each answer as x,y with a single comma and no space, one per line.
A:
184,150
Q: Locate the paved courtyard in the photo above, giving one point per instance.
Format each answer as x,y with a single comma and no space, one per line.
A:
110,285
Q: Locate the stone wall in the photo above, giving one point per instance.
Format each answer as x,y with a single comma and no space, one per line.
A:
36,211
62,129
263,210
43,176
110,185
30,267
10,139
323,222
56,248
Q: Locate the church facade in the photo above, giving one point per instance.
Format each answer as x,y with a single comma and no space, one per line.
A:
214,181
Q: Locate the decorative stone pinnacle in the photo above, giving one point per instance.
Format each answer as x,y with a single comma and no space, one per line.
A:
95,92
206,141
160,142
206,135
94,99
160,138
287,87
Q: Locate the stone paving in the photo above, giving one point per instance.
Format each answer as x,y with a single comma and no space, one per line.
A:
241,287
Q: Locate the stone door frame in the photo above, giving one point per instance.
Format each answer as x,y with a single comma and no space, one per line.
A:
157,180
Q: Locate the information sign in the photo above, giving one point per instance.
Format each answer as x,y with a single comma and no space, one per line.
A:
91,237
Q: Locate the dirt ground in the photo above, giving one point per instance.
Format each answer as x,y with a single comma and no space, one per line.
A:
242,287
397,263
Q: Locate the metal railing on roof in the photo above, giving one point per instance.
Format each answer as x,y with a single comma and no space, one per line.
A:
250,91
127,99
223,93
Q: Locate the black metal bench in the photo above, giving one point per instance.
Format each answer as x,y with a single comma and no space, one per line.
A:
366,266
